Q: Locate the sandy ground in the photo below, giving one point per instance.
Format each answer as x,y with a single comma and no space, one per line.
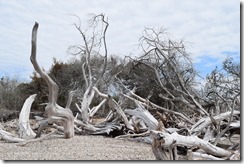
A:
55,147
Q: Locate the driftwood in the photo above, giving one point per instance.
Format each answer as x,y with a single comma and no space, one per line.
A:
205,122
155,106
105,127
55,113
173,134
9,137
26,134
25,130
87,75
201,156
143,114
24,143
166,141
114,106
174,139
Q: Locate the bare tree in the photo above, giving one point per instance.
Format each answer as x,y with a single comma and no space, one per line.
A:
91,48
185,122
88,49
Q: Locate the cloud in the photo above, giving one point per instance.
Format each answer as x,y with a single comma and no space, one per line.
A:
209,27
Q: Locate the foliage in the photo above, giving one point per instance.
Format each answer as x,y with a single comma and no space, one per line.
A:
10,97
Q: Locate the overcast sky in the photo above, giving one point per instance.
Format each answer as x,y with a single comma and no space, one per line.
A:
211,29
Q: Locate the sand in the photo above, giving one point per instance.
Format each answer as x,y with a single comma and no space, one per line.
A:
89,147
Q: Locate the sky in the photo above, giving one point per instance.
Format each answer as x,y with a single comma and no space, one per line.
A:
210,28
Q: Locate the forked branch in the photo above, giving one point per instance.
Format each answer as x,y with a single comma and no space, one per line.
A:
56,114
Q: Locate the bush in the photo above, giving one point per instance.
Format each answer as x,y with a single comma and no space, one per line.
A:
10,98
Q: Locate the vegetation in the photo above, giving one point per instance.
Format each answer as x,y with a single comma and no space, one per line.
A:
156,92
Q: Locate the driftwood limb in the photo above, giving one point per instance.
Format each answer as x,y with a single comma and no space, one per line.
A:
229,122
9,137
70,98
143,114
180,79
150,104
86,101
159,151
206,121
23,143
200,156
96,108
147,133
189,141
102,128
209,134
113,105
25,130
55,112
236,155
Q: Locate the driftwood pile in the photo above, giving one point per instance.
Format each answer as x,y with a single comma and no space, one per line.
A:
172,134
209,138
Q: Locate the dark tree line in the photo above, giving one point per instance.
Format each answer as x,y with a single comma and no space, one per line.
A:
221,83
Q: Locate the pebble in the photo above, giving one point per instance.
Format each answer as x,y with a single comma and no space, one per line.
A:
86,147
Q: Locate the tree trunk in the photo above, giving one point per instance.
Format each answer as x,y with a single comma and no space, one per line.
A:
56,113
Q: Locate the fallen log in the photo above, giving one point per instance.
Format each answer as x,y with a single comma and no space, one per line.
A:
168,140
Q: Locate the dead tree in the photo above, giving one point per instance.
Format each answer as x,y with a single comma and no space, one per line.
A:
92,46
187,127
90,43
55,113
173,69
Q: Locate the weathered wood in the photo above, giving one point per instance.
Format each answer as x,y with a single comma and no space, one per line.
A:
155,106
86,101
209,134
55,112
159,151
102,128
201,156
236,155
25,130
113,105
206,121
145,134
24,143
189,141
96,108
87,75
9,137
143,114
